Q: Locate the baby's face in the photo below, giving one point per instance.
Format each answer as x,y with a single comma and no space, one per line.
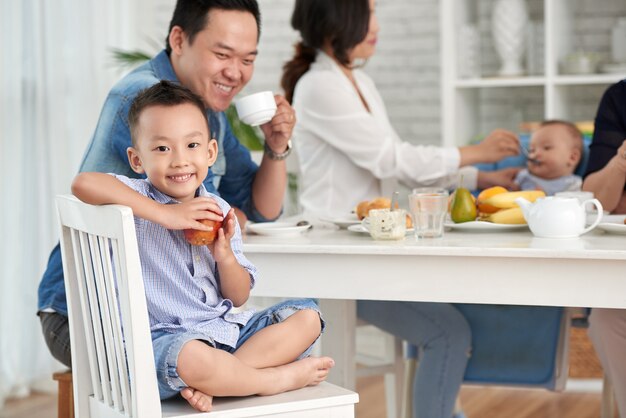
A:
553,149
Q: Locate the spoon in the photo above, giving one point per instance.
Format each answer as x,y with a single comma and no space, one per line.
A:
527,155
303,223
394,201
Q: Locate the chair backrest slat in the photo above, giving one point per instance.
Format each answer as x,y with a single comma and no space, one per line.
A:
104,282
122,369
112,356
83,265
92,264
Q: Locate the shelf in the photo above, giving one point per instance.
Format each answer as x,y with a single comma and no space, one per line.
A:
560,28
561,80
574,80
500,82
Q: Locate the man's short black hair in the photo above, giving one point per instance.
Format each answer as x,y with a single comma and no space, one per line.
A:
192,15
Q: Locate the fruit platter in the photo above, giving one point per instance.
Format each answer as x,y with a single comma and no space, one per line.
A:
493,208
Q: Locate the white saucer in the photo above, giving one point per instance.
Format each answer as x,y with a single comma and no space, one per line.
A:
484,226
615,228
277,228
343,222
613,223
361,229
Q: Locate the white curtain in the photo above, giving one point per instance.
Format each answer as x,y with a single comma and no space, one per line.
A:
55,72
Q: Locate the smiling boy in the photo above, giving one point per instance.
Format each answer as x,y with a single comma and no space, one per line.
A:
202,347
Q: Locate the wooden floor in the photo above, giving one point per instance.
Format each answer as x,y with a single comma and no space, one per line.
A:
478,402
493,402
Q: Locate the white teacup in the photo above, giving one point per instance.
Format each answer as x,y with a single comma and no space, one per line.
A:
256,109
385,224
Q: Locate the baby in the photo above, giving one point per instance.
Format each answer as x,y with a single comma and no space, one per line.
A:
555,150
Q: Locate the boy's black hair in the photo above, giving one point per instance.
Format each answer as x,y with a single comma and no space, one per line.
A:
192,15
163,93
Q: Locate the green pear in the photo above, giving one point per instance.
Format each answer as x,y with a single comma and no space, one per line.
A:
463,207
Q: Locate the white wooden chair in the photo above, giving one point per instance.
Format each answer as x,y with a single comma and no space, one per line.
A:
112,358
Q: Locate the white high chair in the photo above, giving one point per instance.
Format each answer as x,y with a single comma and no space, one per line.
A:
112,358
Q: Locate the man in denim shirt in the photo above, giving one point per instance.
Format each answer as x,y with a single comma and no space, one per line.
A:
211,49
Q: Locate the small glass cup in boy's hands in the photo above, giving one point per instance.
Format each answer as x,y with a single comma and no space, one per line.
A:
429,206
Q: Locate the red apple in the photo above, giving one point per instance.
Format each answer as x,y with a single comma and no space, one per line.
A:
196,237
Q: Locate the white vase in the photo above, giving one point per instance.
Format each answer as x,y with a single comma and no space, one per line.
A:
508,27
618,41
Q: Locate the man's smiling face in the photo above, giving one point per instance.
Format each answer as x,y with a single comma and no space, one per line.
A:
220,60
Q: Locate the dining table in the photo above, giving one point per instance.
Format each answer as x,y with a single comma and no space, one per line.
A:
482,266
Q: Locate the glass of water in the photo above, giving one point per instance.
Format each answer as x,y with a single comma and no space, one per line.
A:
429,206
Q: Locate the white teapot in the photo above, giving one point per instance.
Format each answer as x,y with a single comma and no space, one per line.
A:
558,217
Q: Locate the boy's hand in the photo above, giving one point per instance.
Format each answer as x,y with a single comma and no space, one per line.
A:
220,248
186,215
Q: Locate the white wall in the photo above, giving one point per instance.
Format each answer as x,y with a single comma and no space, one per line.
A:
405,67
406,64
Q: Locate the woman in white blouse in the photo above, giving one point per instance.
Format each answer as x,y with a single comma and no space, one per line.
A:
344,139
346,146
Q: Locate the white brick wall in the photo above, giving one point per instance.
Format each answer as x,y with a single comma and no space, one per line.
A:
405,67
406,64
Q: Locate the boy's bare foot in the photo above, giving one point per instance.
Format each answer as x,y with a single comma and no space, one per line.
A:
309,371
198,400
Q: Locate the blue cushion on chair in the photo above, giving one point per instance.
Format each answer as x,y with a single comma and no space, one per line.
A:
514,345
520,160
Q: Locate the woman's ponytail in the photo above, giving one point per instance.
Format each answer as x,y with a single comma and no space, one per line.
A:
294,69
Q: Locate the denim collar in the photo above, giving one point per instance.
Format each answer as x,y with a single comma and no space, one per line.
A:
162,67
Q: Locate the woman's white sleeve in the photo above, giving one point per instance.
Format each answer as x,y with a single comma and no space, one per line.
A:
337,116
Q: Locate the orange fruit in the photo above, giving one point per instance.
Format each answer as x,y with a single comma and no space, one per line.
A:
486,194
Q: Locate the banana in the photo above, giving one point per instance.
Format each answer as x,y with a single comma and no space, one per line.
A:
507,216
507,200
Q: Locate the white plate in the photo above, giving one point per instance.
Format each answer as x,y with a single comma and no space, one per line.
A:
616,228
613,223
277,228
342,222
361,229
484,226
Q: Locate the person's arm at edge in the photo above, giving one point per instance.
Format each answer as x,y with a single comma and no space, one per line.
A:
606,170
607,184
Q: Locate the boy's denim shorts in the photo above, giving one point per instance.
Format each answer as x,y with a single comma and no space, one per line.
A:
167,346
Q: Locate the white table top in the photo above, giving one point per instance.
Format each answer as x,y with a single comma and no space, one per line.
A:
506,243
509,267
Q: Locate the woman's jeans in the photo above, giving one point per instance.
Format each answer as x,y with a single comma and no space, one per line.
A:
444,339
